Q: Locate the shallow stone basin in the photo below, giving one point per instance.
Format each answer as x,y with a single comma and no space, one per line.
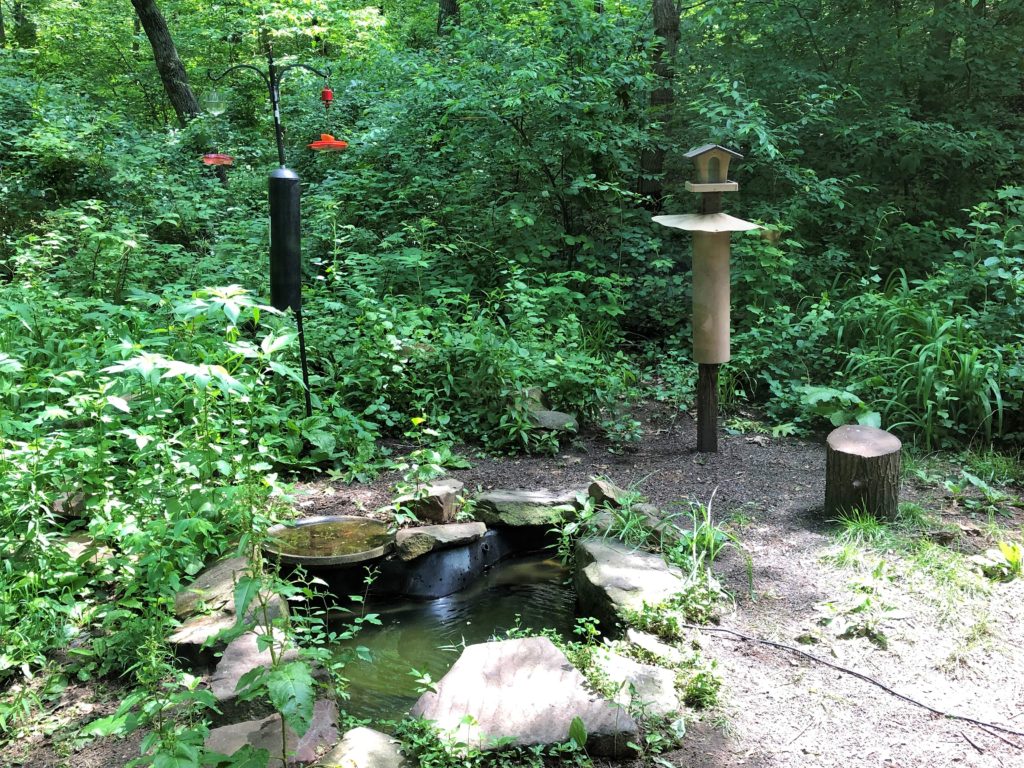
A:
329,541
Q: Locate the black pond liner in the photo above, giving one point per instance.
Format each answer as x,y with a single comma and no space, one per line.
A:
435,605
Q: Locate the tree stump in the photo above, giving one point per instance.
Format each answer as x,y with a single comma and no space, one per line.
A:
862,471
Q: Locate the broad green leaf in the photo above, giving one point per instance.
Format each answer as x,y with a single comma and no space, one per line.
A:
291,692
870,419
245,590
119,402
578,731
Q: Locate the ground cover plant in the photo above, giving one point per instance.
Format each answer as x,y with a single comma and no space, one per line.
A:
487,234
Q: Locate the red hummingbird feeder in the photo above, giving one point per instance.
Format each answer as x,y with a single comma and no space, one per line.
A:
327,143
216,158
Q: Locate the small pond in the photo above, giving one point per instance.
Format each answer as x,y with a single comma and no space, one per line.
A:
533,592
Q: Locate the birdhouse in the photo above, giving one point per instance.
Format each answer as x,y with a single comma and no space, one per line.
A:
712,162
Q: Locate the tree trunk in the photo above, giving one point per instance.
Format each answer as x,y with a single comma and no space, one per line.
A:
24,29
447,15
172,71
937,78
3,31
862,472
666,27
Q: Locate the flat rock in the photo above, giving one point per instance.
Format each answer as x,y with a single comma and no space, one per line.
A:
610,578
194,642
522,692
435,502
517,508
364,748
654,646
606,492
644,687
213,589
554,420
70,505
411,543
81,548
242,655
266,734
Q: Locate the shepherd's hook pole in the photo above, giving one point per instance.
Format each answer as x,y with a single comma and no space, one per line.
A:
284,193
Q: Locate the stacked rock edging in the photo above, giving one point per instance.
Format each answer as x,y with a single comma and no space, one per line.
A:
207,607
519,692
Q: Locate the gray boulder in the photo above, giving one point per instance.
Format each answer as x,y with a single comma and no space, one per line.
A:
522,693
605,492
554,420
434,503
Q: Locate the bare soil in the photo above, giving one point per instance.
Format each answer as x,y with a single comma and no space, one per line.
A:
916,619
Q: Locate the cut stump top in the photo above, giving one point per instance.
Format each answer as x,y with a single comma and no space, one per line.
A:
866,442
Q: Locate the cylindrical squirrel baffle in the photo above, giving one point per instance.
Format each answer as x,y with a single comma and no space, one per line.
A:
711,297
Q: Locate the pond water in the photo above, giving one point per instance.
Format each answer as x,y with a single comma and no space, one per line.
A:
531,592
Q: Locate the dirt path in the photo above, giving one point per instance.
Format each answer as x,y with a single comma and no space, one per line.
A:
952,638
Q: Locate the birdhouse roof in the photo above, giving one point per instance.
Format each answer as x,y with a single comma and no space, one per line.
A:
708,147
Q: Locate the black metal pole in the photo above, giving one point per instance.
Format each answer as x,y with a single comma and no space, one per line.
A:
274,81
284,192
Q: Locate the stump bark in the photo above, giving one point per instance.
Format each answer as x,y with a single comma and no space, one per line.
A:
862,471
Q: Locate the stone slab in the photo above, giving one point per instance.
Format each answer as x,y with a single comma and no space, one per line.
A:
411,543
213,589
641,687
522,692
654,646
242,655
519,508
266,734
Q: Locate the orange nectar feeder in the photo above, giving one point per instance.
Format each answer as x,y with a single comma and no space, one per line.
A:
328,143
215,158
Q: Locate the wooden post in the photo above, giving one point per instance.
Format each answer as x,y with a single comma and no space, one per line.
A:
707,407
862,471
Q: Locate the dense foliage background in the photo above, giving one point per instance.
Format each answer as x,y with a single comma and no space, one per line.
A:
487,231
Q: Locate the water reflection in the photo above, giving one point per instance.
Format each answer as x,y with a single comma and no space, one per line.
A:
428,636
